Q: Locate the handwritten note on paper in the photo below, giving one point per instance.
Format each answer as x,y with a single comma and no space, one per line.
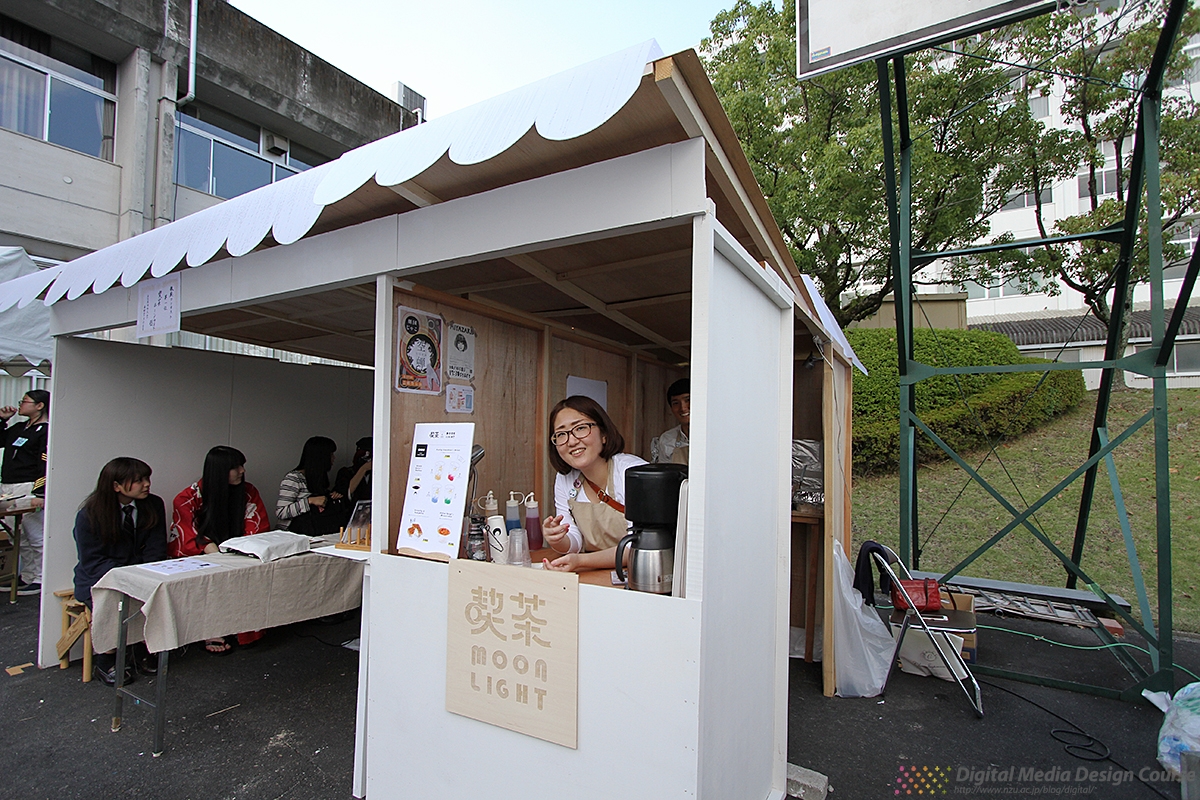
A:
158,306
512,649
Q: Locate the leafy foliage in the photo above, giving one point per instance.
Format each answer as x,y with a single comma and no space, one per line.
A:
996,406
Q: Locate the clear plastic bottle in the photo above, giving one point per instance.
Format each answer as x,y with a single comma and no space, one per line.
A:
533,522
512,511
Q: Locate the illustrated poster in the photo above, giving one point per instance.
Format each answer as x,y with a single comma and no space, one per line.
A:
460,399
419,351
512,649
460,353
158,306
436,494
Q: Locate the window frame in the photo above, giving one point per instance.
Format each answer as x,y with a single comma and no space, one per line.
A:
211,137
53,75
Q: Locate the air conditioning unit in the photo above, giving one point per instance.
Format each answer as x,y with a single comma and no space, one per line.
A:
275,144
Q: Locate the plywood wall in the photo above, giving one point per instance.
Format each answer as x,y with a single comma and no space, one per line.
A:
506,416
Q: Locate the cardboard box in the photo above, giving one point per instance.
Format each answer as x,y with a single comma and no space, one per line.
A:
953,601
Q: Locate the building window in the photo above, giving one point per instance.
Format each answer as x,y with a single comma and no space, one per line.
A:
65,102
1027,200
1185,358
220,154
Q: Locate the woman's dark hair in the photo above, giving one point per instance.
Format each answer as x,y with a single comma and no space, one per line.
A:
614,442
102,506
315,462
222,511
40,396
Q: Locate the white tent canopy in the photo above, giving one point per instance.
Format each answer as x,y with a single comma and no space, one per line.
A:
25,341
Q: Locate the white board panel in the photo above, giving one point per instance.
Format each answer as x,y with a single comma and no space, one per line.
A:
638,683
741,413
837,33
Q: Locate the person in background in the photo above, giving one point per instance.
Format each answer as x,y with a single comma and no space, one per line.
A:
589,490
671,447
354,481
119,524
219,506
24,474
307,504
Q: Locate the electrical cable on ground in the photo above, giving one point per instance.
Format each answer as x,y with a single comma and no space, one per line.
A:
1086,646
1087,747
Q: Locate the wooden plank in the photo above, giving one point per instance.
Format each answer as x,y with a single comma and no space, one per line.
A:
629,263
828,666
506,420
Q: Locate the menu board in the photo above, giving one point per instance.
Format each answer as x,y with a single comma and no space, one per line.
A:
512,649
435,496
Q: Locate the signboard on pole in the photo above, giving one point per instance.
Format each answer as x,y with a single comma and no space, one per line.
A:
838,33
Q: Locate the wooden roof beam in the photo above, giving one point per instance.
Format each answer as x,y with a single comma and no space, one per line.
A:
539,270
683,103
631,263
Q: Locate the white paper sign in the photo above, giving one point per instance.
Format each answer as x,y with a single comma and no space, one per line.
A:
177,566
512,649
460,399
158,306
436,494
597,390
460,353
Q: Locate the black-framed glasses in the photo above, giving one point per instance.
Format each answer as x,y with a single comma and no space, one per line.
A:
580,431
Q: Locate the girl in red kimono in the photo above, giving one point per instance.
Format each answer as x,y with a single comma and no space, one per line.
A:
217,507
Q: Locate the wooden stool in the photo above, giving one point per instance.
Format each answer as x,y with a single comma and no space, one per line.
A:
76,622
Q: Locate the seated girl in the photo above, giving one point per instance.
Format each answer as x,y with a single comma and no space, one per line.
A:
118,525
589,490
219,506
306,503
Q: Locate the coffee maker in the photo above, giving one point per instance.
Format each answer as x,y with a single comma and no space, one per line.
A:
652,508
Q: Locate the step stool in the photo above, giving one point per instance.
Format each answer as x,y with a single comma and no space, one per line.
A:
76,622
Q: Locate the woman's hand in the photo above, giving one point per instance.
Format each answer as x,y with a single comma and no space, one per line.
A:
318,501
38,502
336,495
211,548
6,413
554,531
567,563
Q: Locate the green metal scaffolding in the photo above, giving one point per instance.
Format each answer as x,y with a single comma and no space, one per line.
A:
1151,362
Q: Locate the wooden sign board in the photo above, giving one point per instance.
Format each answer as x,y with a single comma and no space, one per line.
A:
512,649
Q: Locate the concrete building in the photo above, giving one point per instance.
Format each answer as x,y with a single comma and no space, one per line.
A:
105,136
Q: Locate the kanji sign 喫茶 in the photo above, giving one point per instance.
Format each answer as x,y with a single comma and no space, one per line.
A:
512,648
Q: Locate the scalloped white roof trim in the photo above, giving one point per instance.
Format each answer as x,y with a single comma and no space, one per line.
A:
560,107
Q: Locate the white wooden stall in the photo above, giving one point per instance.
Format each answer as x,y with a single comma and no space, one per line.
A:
602,223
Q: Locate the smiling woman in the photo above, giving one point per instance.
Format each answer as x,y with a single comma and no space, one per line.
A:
589,491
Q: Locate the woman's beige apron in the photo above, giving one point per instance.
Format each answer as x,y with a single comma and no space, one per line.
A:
602,525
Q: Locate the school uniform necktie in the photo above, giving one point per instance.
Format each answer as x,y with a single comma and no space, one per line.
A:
127,525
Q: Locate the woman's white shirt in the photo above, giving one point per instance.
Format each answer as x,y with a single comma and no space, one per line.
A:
570,486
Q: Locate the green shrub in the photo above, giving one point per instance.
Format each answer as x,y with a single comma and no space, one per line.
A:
1002,402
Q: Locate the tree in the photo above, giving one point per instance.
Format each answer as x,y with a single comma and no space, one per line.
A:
1104,54
816,149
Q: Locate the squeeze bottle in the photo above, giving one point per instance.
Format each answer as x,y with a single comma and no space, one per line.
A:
533,522
497,533
512,511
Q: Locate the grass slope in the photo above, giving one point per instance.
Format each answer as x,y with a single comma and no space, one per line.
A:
1036,462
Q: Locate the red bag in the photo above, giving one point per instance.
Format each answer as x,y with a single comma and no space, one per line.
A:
924,594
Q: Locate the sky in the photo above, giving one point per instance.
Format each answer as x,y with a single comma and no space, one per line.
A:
458,53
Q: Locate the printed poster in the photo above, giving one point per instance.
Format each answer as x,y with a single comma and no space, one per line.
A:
419,349
460,399
436,494
158,306
460,353
512,649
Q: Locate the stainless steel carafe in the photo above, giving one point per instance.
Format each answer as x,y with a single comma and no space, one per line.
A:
652,507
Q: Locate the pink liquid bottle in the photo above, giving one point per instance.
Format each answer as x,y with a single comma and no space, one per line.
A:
533,522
